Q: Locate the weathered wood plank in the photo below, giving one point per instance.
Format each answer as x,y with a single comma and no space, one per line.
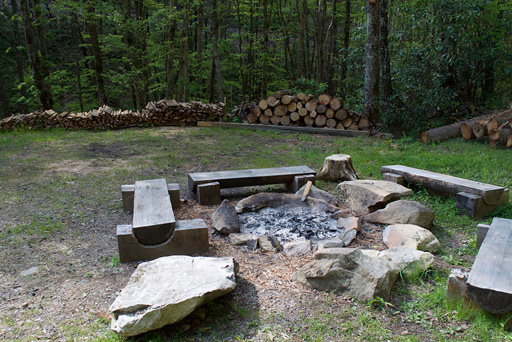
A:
128,191
239,178
153,218
490,279
446,184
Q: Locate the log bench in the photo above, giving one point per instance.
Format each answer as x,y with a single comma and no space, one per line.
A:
154,232
206,185
473,198
490,280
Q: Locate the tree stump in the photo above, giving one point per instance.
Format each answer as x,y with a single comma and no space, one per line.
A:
337,167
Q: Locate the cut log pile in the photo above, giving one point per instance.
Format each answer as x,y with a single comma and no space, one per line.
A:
163,112
497,129
283,108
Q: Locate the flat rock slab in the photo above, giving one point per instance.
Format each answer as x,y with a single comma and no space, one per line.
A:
168,289
297,247
365,196
277,199
409,261
403,211
410,236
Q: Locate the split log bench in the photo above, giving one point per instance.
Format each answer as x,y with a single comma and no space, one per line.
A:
128,191
473,198
490,280
206,185
154,232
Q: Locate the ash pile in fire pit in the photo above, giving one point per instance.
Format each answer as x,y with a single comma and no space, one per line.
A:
290,223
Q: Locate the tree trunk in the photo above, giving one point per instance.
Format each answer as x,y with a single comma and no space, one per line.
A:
169,58
45,98
385,68
331,86
96,51
199,48
183,64
78,71
344,58
17,53
305,27
4,103
215,52
372,72
266,47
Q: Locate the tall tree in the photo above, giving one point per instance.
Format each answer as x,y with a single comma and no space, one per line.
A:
45,97
333,32
385,63
344,57
371,67
183,58
169,57
216,73
96,51
17,52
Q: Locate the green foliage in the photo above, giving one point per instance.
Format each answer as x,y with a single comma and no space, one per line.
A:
304,85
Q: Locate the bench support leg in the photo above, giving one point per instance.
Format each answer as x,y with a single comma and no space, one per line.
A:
298,182
208,193
393,177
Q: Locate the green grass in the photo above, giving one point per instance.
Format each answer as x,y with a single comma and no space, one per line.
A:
43,196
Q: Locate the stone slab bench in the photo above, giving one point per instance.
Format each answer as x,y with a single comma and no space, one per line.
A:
206,185
153,217
490,280
190,237
473,198
128,191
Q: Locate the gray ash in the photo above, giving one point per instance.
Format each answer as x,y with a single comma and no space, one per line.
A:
290,223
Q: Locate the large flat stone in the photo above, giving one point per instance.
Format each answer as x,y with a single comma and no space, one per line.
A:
365,196
403,211
166,290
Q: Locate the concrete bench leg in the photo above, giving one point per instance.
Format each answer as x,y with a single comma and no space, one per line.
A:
298,182
208,193
128,191
190,237
393,177
481,232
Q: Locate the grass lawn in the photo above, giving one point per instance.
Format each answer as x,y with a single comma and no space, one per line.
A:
60,202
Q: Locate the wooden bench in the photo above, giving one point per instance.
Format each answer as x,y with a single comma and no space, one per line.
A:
490,280
206,185
473,198
153,217
128,192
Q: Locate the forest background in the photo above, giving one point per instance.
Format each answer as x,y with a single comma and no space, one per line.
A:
439,59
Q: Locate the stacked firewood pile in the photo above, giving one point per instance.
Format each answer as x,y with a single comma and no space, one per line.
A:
163,112
286,109
497,129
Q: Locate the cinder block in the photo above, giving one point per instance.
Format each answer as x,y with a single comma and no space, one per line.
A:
208,193
299,181
393,177
128,191
190,237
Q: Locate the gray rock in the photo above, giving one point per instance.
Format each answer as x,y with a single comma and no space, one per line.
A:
30,271
408,261
351,222
352,272
252,244
330,243
410,236
347,236
403,211
166,290
241,238
269,243
319,194
297,247
278,199
225,220
365,196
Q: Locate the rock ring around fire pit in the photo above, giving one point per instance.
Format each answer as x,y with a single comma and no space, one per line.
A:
272,219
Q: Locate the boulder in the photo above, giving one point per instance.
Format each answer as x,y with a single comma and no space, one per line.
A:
351,222
269,243
408,261
225,220
337,167
365,196
319,194
352,272
241,238
410,236
297,247
168,289
403,211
